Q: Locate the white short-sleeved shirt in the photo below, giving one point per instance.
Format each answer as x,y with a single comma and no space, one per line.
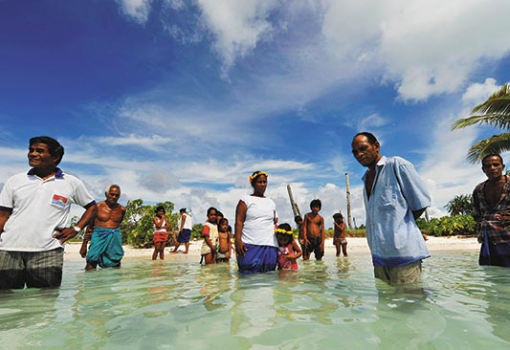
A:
37,207
259,224
188,223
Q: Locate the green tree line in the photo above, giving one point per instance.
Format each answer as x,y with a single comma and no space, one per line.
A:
137,227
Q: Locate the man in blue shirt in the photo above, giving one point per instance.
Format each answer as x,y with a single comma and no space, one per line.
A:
394,197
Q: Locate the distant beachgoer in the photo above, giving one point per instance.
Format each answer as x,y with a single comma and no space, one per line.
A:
394,197
160,233
339,237
34,210
491,209
210,235
256,218
313,232
185,227
224,247
104,233
288,249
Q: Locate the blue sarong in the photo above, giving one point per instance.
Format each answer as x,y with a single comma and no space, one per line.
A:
105,247
494,254
258,258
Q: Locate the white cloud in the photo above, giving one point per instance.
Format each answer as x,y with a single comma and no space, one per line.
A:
237,25
424,47
371,122
153,143
445,168
432,47
137,9
477,93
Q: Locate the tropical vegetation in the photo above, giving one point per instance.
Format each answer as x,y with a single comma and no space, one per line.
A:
460,205
448,226
494,112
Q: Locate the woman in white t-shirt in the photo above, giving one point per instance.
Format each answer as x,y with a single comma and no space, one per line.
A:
256,219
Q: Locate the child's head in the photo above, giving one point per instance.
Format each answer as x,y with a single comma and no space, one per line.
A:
284,234
316,203
223,225
229,229
298,219
219,216
211,215
338,217
160,210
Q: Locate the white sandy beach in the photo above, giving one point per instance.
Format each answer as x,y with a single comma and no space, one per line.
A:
355,246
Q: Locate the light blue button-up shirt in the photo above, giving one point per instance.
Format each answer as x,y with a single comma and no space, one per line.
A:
392,234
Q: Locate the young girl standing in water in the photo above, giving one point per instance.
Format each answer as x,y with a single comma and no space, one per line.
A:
224,246
339,238
288,249
210,235
160,233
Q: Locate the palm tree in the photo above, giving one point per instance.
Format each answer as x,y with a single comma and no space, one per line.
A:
494,112
460,205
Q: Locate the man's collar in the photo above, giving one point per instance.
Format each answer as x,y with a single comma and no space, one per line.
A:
379,164
58,174
382,161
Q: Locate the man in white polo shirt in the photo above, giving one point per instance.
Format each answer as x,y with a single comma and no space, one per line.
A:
34,213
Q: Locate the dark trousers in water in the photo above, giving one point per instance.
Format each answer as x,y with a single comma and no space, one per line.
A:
494,254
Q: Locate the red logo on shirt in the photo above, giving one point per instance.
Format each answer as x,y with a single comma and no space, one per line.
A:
59,201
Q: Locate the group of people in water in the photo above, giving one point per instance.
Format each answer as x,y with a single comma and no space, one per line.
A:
261,238
35,210
261,244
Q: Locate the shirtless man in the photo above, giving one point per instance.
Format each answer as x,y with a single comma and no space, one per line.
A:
313,232
104,233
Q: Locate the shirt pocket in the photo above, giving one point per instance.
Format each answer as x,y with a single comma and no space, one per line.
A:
387,197
59,201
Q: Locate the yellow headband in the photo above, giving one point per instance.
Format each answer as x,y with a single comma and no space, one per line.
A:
282,231
258,173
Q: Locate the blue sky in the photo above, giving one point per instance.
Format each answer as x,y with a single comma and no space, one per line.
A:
182,100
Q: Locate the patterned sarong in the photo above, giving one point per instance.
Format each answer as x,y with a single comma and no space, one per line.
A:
105,247
258,259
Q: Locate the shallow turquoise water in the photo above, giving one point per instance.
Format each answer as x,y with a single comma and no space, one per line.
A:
177,304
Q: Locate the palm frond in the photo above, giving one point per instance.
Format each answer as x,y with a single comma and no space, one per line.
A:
494,112
497,103
493,145
481,119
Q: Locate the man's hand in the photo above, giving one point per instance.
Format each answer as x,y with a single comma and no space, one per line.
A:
83,250
64,234
87,236
503,216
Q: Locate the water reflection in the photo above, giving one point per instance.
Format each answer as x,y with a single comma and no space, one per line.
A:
498,297
180,304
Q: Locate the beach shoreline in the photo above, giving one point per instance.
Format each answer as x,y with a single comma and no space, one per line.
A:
356,245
